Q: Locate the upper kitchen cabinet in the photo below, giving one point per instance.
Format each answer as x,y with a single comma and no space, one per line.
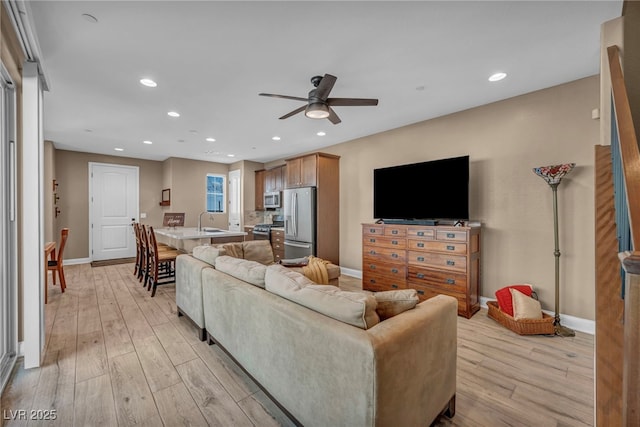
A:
260,178
274,179
305,171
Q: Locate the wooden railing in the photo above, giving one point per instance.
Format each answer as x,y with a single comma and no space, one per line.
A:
630,156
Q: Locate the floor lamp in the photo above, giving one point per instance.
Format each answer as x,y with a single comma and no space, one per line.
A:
553,175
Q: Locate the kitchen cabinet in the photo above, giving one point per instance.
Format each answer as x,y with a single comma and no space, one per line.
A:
302,171
259,198
274,179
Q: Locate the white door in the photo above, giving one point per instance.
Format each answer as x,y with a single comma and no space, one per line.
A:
234,200
113,199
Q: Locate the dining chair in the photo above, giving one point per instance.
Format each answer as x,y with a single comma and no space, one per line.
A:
161,264
143,271
55,265
138,265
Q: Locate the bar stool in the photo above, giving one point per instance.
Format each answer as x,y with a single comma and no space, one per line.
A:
161,264
56,265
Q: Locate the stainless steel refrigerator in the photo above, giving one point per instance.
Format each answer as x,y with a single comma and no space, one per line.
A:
299,222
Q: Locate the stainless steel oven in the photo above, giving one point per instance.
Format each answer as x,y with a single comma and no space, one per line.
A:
261,233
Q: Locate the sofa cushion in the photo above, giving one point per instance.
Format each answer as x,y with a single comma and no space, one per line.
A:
249,271
355,308
259,251
391,303
208,254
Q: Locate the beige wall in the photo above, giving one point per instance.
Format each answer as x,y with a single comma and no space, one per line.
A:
72,175
188,190
504,140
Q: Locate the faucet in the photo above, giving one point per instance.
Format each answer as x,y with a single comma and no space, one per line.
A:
200,220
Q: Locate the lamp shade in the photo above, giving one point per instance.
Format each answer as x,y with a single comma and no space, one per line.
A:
553,174
317,110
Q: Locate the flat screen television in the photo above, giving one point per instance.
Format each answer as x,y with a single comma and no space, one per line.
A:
432,190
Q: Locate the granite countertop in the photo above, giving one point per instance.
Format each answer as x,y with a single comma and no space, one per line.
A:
183,233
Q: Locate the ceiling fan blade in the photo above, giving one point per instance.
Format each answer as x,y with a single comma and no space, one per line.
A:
351,102
296,98
294,112
333,117
325,86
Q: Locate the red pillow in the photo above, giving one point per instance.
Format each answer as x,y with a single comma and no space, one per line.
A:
504,296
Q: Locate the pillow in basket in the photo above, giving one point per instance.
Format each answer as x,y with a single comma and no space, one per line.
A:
525,307
504,296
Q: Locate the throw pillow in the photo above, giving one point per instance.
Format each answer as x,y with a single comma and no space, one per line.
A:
391,303
354,308
525,307
504,296
258,250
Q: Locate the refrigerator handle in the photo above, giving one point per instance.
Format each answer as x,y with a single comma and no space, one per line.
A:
294,213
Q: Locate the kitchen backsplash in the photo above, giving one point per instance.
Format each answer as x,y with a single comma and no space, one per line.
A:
260,217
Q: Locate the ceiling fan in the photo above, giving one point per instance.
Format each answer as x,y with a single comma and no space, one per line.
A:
319,104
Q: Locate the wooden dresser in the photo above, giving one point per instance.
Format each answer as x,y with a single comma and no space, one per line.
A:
430,259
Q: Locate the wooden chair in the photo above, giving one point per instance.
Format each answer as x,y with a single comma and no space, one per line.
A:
55,265
138,265
141,269
161,264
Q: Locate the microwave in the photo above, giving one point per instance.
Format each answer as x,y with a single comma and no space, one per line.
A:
272,200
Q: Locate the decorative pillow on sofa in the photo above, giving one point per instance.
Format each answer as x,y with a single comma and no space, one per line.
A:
233,249
249,271
525,307
355,308
391,303
259,251
504,296
208,254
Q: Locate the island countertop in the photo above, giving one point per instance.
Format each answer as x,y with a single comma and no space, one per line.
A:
182,233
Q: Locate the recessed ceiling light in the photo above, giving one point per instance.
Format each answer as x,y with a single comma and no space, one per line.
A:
321,133
497,77
210,140
119,149
276,138
148,142
231,155
89,18
173,114
148,82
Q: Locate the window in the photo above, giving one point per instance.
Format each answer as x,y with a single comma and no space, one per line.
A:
215,193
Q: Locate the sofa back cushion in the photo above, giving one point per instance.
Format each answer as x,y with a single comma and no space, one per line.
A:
259,251
232,249
355,308
248,271
208,254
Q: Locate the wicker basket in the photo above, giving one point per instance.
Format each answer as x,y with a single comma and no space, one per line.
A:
542,326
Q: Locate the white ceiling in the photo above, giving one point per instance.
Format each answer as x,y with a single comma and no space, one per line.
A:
211,59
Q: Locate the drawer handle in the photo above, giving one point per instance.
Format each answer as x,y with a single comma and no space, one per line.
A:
372,281
394,231
420,233
394,286
449,262
421,245
451,248
451,235
372,230
451,281
372,252
394,255
420,276
421,258
394,242
394,270
372,240
372,266
420,292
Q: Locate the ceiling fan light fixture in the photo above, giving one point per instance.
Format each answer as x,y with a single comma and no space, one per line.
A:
317,110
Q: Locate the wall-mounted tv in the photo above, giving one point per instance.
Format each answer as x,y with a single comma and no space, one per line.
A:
437,189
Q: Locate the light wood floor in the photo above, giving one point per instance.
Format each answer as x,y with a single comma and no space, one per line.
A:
117,357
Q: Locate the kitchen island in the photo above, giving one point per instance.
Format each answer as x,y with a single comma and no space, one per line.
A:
186,238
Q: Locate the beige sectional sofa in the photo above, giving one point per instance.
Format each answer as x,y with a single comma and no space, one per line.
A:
323,354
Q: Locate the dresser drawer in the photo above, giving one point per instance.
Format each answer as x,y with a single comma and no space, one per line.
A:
444,261
434,245
277,246
426,292
374,266
378,282
277,236
391,231
421,233
455,235
278,255
386,242
443,280
389,255
372,230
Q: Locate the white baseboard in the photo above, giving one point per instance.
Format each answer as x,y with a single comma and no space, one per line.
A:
76,261
583,325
